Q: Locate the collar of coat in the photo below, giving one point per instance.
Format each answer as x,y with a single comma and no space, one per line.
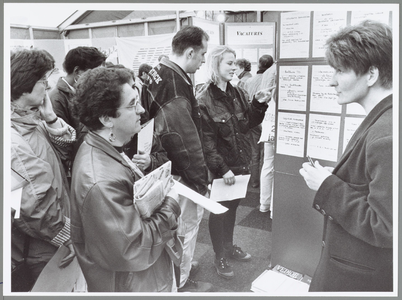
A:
63,86
218,94
368,121
175,67
95,140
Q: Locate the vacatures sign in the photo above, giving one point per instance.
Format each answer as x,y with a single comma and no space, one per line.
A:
250,34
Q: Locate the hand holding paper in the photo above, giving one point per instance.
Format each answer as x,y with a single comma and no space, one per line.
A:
223,192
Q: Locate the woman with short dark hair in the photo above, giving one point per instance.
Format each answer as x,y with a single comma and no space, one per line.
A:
117,250
38,140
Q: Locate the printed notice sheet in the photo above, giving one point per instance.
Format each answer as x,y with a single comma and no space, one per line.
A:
145,137
351,124
323,96
291,130
359,16
223,192
211,205
323,137
326,24
295,34
292,92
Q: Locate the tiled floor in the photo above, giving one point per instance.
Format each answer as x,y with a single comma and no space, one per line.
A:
252,233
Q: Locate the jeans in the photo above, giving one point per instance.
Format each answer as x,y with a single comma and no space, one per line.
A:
221,227
267,178
189,222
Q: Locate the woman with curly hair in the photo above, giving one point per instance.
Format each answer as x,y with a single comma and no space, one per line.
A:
117,250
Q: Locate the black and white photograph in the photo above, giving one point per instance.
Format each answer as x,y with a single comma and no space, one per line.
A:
200,149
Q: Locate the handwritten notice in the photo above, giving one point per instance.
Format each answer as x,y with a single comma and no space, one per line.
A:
323,96
323,137
377,15
326,24
293,87
291,130
145,137
351,124
295,34
223,192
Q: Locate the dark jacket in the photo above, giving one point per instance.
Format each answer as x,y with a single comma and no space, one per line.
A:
177,123
61,97
356,202
158,154
117,250
226,119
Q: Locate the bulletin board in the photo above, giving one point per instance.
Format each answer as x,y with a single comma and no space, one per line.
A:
308,122
251,41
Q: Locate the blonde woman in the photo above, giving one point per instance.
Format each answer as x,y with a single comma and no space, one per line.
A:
227,116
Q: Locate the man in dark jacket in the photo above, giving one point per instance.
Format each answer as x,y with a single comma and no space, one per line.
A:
177,123
76,62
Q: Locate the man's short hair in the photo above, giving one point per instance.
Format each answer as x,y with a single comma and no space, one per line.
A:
362,46
189,36
84,58
26,68
265,62
144,68
244,63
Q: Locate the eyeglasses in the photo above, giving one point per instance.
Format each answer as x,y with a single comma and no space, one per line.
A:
137,106
45,82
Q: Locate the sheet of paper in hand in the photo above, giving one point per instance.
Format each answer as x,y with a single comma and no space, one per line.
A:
150,190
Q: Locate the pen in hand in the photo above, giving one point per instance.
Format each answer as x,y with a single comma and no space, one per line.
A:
311,161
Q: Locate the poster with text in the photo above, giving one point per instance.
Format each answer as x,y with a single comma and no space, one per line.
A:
323,137
323,96
291,131
326,24
295,34
377,15
292,92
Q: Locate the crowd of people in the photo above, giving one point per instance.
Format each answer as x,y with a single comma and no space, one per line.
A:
75,147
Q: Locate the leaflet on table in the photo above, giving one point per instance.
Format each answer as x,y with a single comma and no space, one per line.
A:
223,192
206,203
145,137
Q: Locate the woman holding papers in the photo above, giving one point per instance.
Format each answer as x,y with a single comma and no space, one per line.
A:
117,250
226,118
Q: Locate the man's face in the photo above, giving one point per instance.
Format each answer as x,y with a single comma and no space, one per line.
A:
198,58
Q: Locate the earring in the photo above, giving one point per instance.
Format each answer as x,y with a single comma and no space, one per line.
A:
112,137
